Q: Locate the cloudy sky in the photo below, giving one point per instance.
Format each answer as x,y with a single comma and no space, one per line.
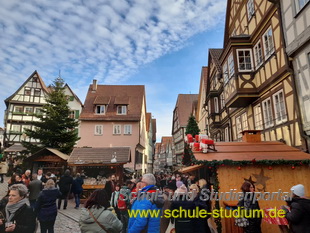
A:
161,44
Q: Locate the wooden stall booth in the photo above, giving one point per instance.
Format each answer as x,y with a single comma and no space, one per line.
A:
271,166
97,164
50,160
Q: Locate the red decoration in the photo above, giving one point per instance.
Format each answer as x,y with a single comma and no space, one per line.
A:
210,167
293,167
270,168
301,163
189,138
197,138
223,165
239,168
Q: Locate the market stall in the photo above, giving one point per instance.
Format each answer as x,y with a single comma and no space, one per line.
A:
97,164
50,160
271,166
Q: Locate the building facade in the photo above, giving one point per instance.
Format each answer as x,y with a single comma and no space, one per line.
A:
296,27
185,106
26,104
114,116
201,114
22,109
255,84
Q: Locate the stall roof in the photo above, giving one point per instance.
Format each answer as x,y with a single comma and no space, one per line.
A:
46,151
247,151
99,155
190,168
15,148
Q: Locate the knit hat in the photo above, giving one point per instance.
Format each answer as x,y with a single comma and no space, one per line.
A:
182,189
298,190
179,184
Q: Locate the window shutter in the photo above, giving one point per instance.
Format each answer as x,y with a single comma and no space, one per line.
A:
77,114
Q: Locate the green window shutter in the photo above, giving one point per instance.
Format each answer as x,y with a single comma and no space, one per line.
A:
77,114
71,98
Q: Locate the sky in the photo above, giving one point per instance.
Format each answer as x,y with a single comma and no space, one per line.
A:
161,44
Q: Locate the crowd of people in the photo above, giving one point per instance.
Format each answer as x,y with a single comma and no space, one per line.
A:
37,197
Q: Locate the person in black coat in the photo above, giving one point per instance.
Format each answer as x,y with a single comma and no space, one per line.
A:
46,208
248,204
110,186
299,213
16,216
189,203
65,184
77,189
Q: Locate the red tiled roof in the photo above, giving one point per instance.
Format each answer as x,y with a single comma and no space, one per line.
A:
239,151
184,107
148,121
132,95
154,129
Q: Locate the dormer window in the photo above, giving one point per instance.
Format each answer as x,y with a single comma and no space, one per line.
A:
100,109
121,110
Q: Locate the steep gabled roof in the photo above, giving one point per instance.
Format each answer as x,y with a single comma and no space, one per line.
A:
75,96
215,54
184,106
165,141
112,95
48,151
35,73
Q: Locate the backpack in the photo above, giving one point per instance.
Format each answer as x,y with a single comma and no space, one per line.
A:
121,203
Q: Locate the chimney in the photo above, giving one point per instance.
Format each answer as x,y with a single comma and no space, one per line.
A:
94,85
251,136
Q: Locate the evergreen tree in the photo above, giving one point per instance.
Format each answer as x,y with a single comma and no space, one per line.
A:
192,126
55,129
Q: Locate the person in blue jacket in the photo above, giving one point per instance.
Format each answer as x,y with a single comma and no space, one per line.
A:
146,224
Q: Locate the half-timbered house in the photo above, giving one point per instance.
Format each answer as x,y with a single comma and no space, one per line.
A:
296,25
22,109
257,83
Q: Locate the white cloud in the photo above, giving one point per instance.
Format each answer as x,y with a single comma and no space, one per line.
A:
102,39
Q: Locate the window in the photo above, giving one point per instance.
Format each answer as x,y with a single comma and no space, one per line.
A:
225,73
28,110
231,65
116,129
98,129
38,111
216,105
18,109
268,43
250,7
127,129
27,91
258,117
267,112
244,120
258,54
279,107
100,109
72,114
16,128
300,4
226,134
244,59
121,110
222,100
238,128
37,92
25,127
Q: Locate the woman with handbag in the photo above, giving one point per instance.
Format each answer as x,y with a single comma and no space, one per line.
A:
248,203
97,217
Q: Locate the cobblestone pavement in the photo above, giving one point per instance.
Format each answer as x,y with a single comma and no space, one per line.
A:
66,221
